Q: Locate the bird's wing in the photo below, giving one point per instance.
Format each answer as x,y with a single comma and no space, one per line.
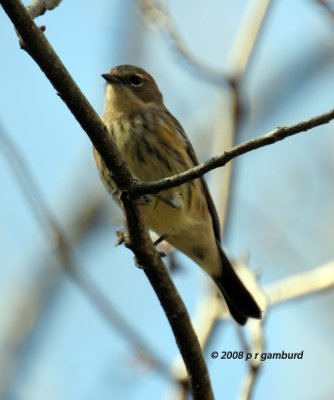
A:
194,159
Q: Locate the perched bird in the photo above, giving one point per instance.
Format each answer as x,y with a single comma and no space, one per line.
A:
155,146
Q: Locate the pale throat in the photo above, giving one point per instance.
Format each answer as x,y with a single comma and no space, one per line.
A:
120,102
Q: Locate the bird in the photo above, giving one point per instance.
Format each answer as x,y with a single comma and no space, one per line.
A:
155,146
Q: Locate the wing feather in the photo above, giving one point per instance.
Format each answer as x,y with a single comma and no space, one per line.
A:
194,159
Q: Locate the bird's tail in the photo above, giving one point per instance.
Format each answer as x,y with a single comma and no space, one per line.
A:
240,302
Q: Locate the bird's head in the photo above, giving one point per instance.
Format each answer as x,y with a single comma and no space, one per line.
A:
130,88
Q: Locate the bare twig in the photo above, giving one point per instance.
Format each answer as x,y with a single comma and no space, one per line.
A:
140,188
140,242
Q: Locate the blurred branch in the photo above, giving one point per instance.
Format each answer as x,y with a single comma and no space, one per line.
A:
327,6
228,123
247,37
287,289
39,7
231,112
242,50
278,134
63,251
229,116
299,285
253,330
240,55
256,345
224,137
139,241
252,337
155,13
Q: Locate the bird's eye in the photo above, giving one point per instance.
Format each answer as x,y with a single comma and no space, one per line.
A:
136,80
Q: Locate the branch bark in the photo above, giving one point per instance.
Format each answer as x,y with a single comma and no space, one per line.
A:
278,134
40,50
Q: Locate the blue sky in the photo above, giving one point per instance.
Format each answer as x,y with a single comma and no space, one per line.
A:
282,213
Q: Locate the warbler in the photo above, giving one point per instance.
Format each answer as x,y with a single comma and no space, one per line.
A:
155,146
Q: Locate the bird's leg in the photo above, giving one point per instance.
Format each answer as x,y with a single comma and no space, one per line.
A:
159,240
174,201
145,200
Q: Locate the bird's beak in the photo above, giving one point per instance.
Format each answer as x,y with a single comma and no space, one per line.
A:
111,78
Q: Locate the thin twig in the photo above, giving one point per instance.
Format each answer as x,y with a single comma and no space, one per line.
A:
140,188
41,51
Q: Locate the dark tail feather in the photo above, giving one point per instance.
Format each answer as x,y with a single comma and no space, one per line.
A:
240,302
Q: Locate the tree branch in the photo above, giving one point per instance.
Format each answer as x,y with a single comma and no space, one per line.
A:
40,50
140,188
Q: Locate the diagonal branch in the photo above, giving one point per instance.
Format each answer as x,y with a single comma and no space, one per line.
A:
140,188
40,50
